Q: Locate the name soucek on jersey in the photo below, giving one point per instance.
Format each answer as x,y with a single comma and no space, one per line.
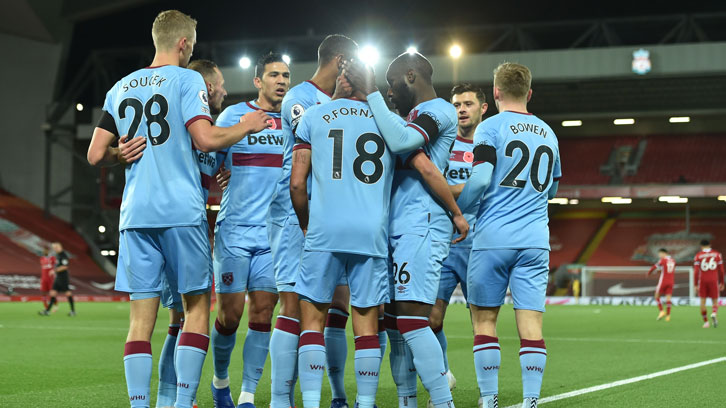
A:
256,164
296,102
461,159
352,176
413,209
163,187
513,212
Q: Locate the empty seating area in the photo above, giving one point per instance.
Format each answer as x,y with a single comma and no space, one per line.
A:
667,159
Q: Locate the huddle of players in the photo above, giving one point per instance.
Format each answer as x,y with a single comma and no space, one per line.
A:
365,161
708,280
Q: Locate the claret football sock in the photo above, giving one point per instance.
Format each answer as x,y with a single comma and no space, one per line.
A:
137,367
190,356
283,360
402,368
166,394
441,337
532,358
367,365
254,354
223,340
336,350
487,358
427,358
311,366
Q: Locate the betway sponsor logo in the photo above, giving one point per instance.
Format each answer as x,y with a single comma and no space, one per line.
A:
264,139
535,368
368,373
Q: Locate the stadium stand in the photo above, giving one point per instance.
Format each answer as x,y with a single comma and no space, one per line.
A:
570,234
626,241
23,231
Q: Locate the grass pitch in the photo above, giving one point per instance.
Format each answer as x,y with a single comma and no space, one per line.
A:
59,361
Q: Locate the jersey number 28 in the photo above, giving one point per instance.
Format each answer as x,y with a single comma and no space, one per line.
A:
146,109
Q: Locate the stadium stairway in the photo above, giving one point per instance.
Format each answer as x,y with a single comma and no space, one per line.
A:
23,232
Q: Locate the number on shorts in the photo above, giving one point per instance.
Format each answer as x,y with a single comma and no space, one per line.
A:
401,276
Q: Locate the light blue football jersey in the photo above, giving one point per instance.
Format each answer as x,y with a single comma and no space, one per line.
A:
413,209
513,212
458,172
163,187
296,102
352,175
208,164
256,165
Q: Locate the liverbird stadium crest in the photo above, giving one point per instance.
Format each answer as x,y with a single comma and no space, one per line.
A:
641,61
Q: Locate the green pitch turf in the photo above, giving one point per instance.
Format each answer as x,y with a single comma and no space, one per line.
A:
59,361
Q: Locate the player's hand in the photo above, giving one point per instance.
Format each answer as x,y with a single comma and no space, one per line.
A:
223,178
721,287
130,151
360,76
462,227
343,88
256,121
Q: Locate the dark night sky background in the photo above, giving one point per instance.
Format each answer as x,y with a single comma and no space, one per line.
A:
231,20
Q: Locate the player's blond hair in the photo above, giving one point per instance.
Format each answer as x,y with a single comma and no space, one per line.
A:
513,80
171,25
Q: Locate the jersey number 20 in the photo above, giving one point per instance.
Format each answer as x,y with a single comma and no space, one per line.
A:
159,118
363,156
511,179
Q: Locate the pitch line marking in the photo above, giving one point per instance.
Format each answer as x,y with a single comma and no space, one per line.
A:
625,382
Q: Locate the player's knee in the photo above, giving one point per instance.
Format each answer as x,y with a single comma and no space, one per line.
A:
228,318
261,313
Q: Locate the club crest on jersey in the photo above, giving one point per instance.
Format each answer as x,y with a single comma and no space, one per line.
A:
469,157
227,278
203,97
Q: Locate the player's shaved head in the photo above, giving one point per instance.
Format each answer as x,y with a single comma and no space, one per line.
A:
207,68
334,45
513,80
170,26
412,62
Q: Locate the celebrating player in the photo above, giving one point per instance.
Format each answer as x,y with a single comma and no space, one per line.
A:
709,276
516,169
470,104
286,238
47,274
420,231
242,259
162,212
667,267
352,174
61,283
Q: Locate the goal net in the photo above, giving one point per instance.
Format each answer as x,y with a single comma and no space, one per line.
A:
631,281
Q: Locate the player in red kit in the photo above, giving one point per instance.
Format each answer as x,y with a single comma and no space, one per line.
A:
666,266
47,274
708,273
